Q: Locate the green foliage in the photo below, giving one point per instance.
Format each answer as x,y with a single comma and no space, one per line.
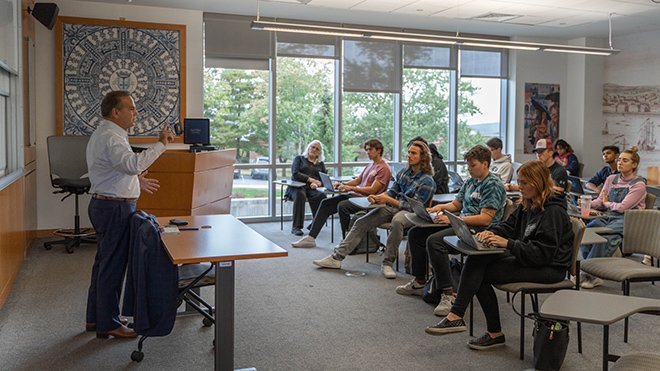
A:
237,103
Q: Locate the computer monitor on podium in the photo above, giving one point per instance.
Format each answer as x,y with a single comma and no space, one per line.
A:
197,133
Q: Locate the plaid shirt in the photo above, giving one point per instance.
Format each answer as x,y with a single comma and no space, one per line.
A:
420,186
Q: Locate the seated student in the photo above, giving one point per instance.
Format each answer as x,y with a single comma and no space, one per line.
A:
305,168
621,192
538,239
481,203
544,152
610,155
440,174
565,157
501,163
416,181
373,180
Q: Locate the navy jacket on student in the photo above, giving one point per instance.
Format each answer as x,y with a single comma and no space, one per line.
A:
151,290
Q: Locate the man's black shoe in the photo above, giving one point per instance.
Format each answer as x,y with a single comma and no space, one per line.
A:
486,342
446,326
297,231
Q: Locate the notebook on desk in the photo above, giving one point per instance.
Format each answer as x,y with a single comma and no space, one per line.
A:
464,234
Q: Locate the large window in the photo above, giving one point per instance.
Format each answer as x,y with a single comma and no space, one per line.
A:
366,116
341,92
236,101
426,101
478,112
305,106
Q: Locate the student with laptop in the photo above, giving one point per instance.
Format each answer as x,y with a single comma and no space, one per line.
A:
610,155
416,182
538,239
373,180
480,202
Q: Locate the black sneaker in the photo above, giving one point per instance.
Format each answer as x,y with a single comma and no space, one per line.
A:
297,231
446,326
486,342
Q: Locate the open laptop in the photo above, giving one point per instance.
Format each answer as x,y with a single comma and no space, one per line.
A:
421,215
329,187
463,233
576,186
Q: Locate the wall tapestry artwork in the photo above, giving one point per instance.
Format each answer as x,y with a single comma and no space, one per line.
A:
541,113
631,116
95,56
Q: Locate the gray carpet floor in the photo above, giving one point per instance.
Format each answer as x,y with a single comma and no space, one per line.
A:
290,315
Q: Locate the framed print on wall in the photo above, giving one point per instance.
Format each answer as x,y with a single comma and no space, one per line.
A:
95,56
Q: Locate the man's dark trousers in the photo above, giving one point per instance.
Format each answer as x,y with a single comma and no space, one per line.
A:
110,219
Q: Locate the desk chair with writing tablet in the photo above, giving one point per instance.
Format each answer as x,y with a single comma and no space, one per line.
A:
533,289
641,235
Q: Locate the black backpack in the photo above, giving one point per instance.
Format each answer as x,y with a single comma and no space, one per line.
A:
371,239
431,294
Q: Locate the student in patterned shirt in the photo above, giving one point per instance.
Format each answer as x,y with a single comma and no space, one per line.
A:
416,181
480,203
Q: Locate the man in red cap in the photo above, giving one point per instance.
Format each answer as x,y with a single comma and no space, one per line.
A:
544,153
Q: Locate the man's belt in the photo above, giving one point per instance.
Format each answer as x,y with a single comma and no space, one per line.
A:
110,198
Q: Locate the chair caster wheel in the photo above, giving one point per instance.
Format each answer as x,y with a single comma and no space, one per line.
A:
137,356
69,249
207,322
47,246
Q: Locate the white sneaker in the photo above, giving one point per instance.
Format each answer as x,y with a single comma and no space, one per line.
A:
588,281
443,308
307,241
411,288
328,262
388,272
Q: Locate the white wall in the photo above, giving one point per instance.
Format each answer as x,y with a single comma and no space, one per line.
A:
51,212
532,67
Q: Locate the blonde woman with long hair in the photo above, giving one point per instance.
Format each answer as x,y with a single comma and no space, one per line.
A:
537,239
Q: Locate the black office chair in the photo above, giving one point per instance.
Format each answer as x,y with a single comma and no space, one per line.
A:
68,167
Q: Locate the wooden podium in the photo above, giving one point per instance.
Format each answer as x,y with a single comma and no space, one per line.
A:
190,183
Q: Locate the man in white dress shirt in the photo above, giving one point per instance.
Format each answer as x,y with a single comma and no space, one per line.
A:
113,173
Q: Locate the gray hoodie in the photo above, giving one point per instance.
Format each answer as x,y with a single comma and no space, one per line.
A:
502,168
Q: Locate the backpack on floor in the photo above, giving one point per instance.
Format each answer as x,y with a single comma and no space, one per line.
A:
371,239
431,294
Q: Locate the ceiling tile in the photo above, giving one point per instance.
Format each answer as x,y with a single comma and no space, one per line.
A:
425,7
338,4
382,5
472,9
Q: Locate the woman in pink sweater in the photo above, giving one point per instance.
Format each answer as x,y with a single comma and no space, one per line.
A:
621,192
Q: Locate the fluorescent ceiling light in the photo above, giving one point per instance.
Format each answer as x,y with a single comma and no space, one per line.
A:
424,38
580,51
412,39
501,46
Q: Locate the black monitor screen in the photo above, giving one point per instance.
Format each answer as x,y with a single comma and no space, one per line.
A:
196,131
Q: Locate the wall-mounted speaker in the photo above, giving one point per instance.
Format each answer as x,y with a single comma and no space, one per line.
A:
45,13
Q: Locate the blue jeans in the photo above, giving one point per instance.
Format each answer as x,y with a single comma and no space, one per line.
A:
606,249
110,221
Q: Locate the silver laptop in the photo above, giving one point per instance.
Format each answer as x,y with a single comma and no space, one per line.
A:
463,233
419,210
327,184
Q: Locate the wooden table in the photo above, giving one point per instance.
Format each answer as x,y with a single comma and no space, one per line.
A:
288,183
226,241
598,308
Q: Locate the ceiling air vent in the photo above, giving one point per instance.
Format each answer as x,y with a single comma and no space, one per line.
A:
496,17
